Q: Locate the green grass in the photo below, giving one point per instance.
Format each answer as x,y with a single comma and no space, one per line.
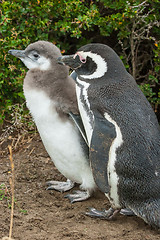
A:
5,196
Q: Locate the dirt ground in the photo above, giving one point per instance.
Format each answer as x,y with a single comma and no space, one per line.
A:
46,215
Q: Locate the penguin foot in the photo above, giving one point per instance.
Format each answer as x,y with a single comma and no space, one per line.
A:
78,196
105,214
60,186
127,212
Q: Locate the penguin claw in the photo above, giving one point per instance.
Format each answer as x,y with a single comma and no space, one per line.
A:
78,196
60,186
127,212
105,214
95,213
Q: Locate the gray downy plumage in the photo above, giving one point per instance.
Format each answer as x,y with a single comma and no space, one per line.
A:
50,96
122,130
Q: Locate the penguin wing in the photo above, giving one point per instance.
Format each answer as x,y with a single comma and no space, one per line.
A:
78,122
102,137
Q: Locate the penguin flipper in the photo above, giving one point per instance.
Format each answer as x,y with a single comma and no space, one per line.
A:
103,135
78,122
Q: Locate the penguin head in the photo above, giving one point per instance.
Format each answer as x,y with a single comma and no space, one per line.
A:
40,55
95,61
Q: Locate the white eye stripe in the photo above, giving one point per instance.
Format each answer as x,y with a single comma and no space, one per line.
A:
99,61
81,57
75,55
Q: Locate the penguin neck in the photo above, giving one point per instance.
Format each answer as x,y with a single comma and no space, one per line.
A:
60,88
111,77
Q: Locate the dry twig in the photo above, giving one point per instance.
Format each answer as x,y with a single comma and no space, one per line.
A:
12,189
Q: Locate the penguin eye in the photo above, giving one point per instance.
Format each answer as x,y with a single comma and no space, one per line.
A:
35,55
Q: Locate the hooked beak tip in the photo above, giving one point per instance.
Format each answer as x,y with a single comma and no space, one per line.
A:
10,51
70,61
60,61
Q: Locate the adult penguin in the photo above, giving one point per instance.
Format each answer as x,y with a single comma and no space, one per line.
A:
50,96
122,131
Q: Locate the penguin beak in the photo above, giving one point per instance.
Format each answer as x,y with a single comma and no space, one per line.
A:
71,61
17,53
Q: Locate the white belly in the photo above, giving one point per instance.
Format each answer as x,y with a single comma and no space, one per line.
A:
60,138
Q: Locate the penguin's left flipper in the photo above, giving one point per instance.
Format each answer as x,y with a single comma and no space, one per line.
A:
60,186
78,122
102,137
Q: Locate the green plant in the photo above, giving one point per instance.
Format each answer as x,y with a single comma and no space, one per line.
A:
21,22
137,23
24,211
5,195
130,27
2,191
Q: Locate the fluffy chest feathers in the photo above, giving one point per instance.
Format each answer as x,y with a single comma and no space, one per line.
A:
43,110
58,135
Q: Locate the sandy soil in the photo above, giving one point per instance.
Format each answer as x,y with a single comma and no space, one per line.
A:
46,215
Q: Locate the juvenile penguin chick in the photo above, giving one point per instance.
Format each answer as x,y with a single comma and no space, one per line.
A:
50,96
122,131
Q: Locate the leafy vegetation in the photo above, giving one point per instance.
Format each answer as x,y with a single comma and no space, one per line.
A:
131,28
6,197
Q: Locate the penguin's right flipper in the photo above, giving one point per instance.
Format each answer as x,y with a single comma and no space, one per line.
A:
102,137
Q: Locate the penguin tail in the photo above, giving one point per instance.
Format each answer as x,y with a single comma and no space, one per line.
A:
149,212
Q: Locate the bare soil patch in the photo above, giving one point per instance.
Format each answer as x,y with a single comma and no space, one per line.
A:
47,215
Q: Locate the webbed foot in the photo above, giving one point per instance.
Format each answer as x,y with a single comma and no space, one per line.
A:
127,212
105,214
78,196
60,186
